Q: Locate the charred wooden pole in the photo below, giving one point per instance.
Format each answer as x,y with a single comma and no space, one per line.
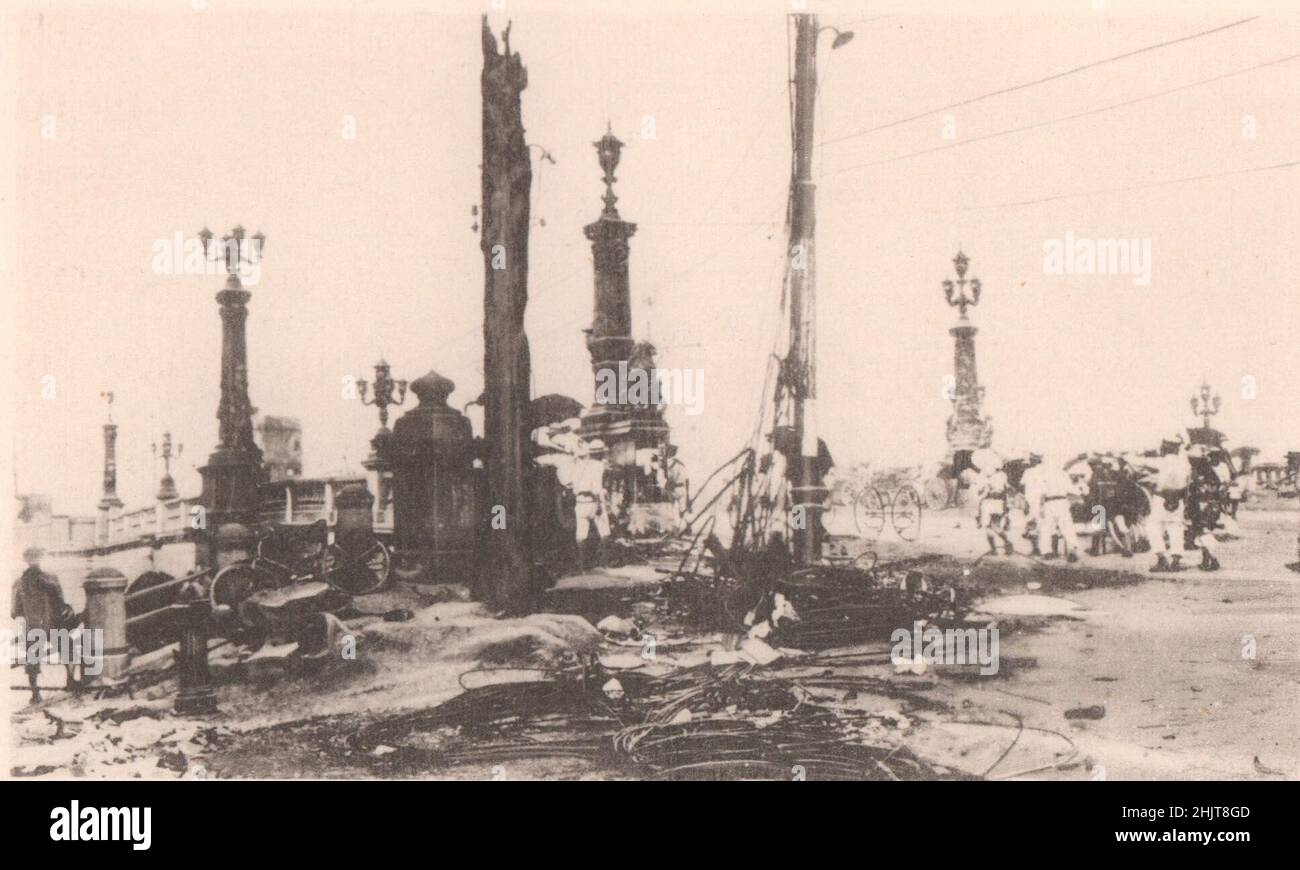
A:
807,492
507,179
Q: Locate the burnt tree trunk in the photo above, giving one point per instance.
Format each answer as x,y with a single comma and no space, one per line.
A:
507,179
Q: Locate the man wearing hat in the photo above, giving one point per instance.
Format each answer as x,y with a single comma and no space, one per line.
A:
38,602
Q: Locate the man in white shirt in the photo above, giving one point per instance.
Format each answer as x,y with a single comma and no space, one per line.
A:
1167,483
992,491
1056,490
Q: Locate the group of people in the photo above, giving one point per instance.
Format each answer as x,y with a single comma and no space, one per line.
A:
1167,501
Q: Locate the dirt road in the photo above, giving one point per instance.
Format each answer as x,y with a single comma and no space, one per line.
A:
1194,675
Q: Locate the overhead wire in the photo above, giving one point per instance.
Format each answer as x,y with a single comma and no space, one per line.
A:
1042,80
1151,185
1073,117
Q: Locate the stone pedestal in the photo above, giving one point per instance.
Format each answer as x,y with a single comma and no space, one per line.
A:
968,429
436,505
106,613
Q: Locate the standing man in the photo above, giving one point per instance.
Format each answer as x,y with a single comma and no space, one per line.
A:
1237,492
992,492
1056,519
1131,506
1206,494
1031,484
38,602
591,507
1168,485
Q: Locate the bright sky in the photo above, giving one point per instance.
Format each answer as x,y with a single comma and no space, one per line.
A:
168,118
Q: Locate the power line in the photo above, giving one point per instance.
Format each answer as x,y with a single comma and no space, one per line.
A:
1043,80
1148,186
1073,117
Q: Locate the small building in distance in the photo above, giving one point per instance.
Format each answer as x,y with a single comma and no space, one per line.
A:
281,443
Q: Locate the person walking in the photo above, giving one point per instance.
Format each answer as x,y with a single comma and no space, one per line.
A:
38,603
992,492
1031,485
1056,488
1168,485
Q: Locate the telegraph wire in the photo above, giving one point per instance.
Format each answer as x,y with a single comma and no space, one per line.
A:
1073,117
1043,80
1154,184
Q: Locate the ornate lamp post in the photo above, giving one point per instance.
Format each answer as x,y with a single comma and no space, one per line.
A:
609,339
968,429
385,390
1206,405
234,468
955,291
387,393
167,486
110,502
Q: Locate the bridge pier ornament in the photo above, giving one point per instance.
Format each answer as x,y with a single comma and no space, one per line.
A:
968,429
234,468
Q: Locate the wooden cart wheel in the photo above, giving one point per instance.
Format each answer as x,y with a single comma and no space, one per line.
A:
232,586
869,510
234,583
359,570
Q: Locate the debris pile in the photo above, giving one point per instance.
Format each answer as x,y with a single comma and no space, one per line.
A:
701,722
820,607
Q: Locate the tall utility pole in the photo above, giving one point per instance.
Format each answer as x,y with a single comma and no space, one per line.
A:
807,492
507,178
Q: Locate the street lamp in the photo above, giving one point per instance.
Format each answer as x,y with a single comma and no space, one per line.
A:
955,291
385,390
608,149
842,37
545,156
167,486
234,248
1206,405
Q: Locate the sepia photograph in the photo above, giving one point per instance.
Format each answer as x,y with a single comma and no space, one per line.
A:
562,390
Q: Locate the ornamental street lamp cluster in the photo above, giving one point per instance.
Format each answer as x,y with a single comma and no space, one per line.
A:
388,392
167,486
1205,405
955,291
234,248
